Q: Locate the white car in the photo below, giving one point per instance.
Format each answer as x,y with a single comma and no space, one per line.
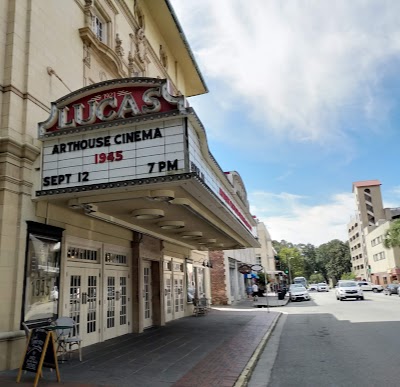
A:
348,289
322,287
298,293
313,287
364,285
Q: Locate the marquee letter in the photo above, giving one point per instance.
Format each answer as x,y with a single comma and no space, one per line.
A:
128,105
112,102
62,119
91,119
153,103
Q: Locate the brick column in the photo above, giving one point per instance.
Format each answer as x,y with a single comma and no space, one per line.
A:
218,278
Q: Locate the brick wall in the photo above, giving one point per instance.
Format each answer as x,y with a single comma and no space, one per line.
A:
218,278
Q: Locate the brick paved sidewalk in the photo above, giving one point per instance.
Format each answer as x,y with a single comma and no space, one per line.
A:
209,350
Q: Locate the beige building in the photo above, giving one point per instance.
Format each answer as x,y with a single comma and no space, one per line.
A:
384,263
110,198
369,209
370,260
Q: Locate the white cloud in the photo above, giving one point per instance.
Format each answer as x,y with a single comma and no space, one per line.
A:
392,197
300,66
288,217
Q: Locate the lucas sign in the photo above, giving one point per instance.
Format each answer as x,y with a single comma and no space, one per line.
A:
104,134
110,101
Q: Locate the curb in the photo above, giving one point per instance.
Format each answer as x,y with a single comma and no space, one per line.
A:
246,373
286,301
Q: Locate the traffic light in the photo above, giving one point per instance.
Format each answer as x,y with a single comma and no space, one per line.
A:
287,271
277,262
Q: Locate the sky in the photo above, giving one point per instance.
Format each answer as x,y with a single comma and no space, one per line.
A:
304,100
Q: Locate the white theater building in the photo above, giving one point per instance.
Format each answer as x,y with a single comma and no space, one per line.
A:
110,198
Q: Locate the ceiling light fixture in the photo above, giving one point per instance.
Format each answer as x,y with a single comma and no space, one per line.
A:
162,195
147,214
207,241
192,235
171,224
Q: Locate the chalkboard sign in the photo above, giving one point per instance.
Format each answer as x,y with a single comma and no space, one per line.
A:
40,352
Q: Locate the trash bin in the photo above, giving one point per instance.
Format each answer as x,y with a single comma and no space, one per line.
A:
281,294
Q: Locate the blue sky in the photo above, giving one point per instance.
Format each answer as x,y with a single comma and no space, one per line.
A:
303,101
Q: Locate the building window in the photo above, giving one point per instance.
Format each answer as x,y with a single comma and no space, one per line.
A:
112,258
379,256
190,281
99,28
82,254
42,274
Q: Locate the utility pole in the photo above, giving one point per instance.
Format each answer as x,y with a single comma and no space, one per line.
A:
290,273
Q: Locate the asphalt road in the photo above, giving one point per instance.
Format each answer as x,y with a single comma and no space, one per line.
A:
325,342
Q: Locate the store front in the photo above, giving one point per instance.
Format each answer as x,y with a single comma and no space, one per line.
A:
128,190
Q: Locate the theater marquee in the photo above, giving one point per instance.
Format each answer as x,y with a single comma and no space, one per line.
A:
105,133
123,133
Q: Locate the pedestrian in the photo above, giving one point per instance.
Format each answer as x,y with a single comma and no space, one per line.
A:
255,292
249,291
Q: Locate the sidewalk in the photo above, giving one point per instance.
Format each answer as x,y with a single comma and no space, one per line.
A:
270,301
204,351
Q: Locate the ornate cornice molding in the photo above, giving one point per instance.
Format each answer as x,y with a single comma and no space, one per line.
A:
90,39
19,93
128,14
13,147
112,6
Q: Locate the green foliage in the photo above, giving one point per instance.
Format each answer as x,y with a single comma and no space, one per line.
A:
392,235
310,263
348,276
336,258
316,278
296,261
261,278
329,261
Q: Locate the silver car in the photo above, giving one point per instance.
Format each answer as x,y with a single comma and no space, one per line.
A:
323,287
348,289
298,293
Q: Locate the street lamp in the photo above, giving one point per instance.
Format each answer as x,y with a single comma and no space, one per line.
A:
290,274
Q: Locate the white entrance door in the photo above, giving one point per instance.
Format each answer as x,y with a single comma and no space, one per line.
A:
116,303
83,290
179,296
168,297
147,295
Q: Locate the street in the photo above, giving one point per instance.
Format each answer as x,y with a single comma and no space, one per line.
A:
325,342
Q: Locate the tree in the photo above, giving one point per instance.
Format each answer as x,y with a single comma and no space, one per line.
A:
316,278
392,235
348,276
310,259
261,278
296,261
278,246
336,258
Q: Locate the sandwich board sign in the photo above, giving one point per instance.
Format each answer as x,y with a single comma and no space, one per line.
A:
40,352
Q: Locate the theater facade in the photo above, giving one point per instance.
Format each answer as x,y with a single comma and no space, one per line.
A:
110,196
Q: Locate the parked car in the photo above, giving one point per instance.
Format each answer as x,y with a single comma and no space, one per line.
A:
322,287
298,293
348,289
313,287
391,289
369,286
